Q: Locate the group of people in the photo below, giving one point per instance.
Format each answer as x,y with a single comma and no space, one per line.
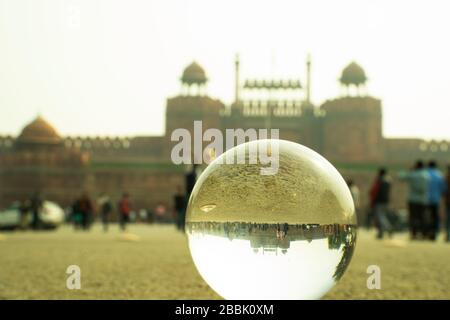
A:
282,231
83,211
427,187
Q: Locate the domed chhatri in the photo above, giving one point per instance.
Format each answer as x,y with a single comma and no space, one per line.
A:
194,74
353,74
38,132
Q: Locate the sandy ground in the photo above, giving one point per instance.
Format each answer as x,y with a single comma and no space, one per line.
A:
154,263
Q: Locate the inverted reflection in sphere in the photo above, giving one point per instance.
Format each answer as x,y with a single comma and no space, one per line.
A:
286,235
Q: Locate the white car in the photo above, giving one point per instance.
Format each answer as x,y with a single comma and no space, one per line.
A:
50,216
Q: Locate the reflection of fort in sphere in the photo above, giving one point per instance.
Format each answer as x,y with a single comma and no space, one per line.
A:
290,235
346,130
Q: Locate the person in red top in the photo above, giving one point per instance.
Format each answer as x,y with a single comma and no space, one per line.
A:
124,211
374,191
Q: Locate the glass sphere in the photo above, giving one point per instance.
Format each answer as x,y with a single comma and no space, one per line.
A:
281,229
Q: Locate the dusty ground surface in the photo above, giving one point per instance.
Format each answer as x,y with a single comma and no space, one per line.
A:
156,264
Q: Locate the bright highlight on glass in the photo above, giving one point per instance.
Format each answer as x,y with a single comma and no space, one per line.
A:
290,235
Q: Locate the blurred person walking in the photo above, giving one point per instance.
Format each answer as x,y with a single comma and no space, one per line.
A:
447,205
143,215
105,205
24,209
160,214
436,189
76,214
191,179
417,180
124,211
36,207
380,196
180,208
84,210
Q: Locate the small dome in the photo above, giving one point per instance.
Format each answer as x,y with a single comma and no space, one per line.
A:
353,74
39,131
194,73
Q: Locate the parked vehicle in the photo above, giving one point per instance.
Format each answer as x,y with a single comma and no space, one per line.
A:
51,216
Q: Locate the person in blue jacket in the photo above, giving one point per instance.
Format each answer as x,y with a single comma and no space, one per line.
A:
417,180
447,205
436,190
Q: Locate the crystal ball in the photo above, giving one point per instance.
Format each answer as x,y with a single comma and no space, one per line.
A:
271,219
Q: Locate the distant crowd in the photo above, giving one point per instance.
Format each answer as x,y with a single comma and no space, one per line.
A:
428,195
81,213
84,211
427,190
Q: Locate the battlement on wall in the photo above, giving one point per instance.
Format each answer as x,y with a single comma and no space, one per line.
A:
407,150
435,146
421,145
114,147
261,108
192,104
352,105
80,142
97,142
149,148
59,159
113,143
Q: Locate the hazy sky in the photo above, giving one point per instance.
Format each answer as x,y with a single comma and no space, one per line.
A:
95,67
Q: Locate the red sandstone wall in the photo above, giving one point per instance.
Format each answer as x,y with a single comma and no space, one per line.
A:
352,130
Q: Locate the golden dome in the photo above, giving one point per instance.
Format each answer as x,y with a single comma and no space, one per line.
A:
194,73
353,74
39,131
